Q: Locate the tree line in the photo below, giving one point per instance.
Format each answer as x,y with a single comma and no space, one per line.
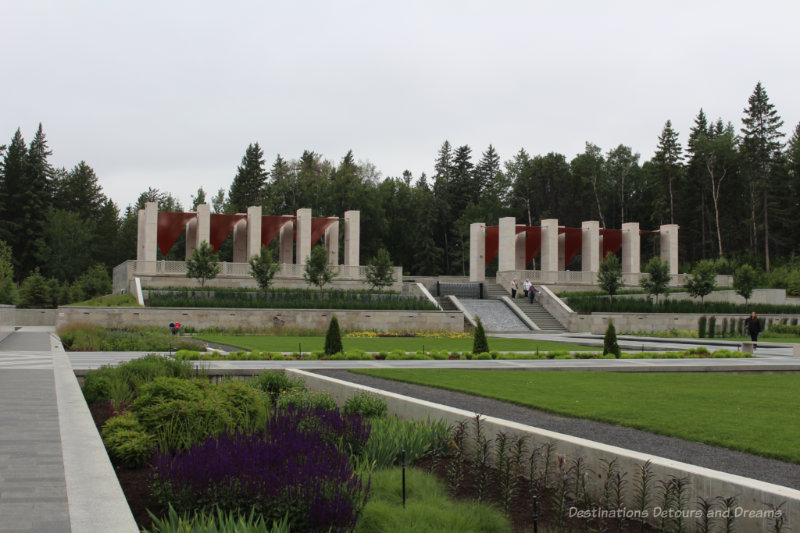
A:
733,189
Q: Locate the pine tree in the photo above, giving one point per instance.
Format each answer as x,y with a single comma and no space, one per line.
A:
78,191
479,343
333,338
610,344
246,188
12,213
761,148
668,160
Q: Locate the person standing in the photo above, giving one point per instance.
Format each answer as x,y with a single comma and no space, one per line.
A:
513,288
753,327
526,287
532,293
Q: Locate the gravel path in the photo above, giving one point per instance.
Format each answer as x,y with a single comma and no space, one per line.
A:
733,462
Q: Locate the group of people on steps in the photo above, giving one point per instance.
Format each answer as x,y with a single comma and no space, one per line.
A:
528,290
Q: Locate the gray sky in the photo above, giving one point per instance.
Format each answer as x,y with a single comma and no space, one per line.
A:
169,94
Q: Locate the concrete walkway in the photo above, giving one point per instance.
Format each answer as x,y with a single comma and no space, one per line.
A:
55,475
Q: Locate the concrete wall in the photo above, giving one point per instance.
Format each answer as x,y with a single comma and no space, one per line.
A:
259,318
751,495
35,317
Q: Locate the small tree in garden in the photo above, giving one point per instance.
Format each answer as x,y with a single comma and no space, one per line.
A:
203,264
702,279
480,343
34,293
379,270
609,277
657,278
317,270
333,338
610,344
744,281
263,268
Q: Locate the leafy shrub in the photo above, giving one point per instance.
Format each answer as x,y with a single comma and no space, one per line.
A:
274,383
303,399
221,522
365,404
95,281
92,337
785,329
287,469
96,386
482,356
127,442
390,435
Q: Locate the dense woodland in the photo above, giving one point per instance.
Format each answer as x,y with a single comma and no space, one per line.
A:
734,189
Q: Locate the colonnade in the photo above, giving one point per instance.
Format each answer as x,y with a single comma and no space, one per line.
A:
297,234
516,245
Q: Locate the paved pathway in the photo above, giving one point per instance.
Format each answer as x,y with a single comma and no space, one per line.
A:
54,473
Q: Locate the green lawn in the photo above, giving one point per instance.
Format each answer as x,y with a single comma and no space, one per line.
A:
268,343
751,413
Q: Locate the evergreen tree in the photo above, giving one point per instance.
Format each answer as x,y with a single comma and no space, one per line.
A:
761,148
333,338
63,249
480,343
78,191
281,190
250,178
610,344
668,160
8,287
12,207
621,163
589,168
35,292
203,264
198,199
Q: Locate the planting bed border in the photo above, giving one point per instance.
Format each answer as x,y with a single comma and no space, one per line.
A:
751,495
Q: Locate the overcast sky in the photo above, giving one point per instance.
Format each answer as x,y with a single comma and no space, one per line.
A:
169,94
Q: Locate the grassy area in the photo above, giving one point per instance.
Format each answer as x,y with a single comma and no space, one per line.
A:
751,413
267,343
428,507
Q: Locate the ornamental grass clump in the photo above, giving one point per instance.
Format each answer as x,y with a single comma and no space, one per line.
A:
296,467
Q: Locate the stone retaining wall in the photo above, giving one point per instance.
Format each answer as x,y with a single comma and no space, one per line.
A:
751,495
260,318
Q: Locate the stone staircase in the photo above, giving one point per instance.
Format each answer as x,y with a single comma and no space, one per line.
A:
446,304
536,312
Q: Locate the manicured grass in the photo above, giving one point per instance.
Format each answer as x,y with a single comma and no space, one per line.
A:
267,343
751,413
115,300
428,508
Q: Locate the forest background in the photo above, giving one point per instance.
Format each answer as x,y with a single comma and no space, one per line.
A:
734,190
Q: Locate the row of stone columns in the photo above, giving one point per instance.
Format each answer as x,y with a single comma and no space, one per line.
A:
247,235
553,242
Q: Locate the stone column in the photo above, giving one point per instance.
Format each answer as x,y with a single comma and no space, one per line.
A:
669,246
506,244
253,231
191,237
477,251
147,238
332,243
303,235
352,237
203,224
590,247
286,243
562,251
519,248
240,242
631,248
549,261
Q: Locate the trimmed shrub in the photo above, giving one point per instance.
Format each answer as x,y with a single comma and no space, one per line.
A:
365,404
274,383
712,325
610,344
480,344
701,327
333,338
127,442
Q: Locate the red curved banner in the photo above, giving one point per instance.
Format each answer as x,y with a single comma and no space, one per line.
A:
271,225
221,227
170,227
318,227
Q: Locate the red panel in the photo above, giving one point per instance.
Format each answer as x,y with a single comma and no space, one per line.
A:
170,226
221,227
271,225
572,243
318,227
612,240
492,237
533,242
